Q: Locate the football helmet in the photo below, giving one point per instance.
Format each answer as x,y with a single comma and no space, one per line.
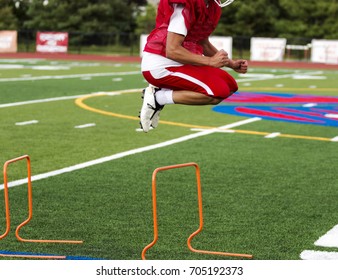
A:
226,3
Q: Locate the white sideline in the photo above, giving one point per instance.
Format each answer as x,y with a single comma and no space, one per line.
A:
127,153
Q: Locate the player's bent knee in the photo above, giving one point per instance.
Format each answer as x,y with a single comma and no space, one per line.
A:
215,101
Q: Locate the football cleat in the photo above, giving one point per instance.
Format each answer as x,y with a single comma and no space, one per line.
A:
150,111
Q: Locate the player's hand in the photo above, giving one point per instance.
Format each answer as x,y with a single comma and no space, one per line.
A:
220,59
239,65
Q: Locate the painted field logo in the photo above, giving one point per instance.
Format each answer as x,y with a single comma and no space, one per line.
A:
304,109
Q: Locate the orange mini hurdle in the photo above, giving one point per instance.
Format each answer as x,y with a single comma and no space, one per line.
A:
30,206
200,212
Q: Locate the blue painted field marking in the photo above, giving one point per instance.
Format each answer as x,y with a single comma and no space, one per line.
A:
323,109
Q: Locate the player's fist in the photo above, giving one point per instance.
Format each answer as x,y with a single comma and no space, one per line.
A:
240,65
220,59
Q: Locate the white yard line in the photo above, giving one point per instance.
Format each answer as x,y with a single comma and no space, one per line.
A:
329,239
263,77
334,139
40,101
221,131
309,105
66,98
276,77
74,76
27,122
257,77
331,116
126,153
272,135
318,255
85,125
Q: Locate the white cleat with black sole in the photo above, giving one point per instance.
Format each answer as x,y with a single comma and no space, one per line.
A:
150,111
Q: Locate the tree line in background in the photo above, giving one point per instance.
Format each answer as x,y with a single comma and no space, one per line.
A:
260,18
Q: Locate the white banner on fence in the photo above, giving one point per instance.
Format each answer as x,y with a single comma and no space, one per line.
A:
8,41
267,49
222,43
324,51
219,42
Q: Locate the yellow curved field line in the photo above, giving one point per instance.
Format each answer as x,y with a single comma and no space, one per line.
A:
80,102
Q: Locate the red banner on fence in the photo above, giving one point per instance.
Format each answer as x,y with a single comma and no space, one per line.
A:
52,42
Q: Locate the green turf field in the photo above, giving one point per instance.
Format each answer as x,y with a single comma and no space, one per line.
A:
269,197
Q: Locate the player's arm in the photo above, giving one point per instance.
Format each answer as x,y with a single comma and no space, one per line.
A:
208,48
175,51
177,30
239,65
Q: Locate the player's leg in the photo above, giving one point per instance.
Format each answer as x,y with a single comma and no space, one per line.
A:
186,97
192,85
188,85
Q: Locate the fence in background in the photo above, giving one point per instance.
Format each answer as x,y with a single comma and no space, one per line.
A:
129,44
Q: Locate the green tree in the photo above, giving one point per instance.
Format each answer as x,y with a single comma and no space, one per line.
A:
331,23
280,18
8,19
20,11
82,15
146,20
254,19
270,18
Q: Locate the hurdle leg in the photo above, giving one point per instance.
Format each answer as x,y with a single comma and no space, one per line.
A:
200,211
30,204
153,188
8,217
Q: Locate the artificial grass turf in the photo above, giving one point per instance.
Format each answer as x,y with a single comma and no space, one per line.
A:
257,199
268,197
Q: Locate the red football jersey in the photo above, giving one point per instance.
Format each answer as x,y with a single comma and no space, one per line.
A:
200,21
